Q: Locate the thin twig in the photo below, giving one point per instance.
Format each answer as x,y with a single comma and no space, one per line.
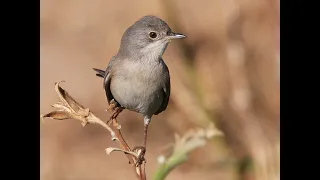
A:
132,159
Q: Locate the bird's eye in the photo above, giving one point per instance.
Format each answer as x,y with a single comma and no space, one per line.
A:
153,35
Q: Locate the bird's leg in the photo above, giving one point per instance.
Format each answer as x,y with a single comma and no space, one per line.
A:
143,148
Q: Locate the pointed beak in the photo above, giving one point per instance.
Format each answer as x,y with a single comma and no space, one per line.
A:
173,35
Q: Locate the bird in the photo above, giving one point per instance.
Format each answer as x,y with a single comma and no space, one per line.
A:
137,78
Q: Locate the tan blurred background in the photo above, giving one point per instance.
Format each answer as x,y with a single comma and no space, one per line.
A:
226,72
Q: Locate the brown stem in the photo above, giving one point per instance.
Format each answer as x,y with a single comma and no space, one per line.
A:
121,140
138,170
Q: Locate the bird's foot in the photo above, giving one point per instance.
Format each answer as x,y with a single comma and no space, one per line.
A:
112,105
141,152
115,111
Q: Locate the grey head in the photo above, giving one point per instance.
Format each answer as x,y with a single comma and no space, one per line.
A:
150,35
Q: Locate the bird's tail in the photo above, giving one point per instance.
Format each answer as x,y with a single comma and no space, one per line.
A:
100,73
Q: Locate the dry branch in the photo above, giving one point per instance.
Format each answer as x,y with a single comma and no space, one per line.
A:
68,108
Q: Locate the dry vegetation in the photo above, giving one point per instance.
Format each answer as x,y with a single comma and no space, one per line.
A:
225,72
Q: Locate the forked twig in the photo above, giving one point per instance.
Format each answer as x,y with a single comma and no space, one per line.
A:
68,108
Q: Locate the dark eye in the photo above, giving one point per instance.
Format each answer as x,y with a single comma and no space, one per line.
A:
153,35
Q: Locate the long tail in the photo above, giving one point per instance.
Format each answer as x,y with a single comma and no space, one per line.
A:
100,73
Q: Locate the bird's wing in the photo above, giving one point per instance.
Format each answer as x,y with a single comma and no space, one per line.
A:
107,78
166,91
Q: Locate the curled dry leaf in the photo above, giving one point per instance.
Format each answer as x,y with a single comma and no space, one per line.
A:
69,108
58,115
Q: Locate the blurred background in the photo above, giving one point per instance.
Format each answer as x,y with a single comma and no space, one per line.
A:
226,72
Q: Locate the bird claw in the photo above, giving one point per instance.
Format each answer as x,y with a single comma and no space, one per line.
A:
112,104
141,152
115,111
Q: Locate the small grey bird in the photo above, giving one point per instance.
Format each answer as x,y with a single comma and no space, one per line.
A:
137,78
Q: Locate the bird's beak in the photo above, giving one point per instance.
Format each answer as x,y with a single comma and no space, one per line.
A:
173,35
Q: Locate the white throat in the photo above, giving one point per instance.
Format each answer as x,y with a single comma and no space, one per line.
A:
155,50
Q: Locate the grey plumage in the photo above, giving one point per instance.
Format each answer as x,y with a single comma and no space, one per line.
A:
137,78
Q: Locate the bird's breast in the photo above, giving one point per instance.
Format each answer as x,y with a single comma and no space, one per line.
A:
138,87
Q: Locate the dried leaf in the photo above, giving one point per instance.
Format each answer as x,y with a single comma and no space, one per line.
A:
68,101
58,115
61,107
68,108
